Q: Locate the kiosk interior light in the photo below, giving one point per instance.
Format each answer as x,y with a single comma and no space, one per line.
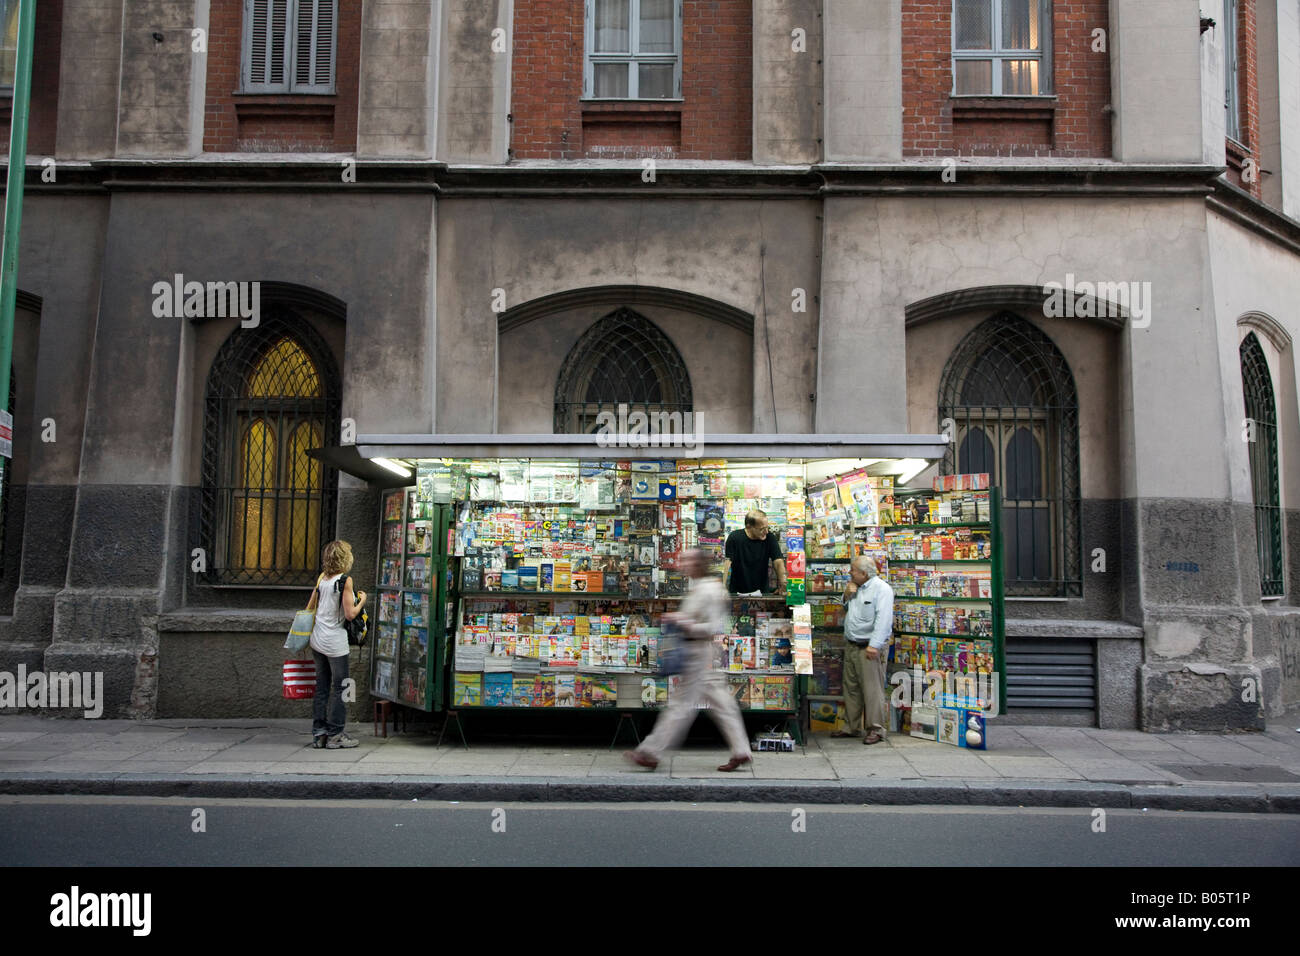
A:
395,467
910,468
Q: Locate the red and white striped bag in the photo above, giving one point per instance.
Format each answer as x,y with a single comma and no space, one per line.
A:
299,680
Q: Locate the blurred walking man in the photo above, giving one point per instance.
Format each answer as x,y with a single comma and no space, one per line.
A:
701,617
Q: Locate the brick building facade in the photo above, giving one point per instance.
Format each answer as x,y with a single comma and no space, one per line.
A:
453,153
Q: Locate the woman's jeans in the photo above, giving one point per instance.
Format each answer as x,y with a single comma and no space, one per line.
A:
328,711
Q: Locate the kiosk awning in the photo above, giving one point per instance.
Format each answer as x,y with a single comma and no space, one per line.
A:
885,454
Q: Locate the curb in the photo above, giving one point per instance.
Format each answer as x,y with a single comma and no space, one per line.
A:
968,793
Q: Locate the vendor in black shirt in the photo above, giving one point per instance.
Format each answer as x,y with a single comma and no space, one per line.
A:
748,551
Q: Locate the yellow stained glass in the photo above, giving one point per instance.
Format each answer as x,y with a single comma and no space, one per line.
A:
285,371
300,514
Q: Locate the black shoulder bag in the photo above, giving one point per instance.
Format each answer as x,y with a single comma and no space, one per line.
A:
359,627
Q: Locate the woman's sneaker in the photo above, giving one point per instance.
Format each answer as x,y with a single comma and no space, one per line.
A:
341,742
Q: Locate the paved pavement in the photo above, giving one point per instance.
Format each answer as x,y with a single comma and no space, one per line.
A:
1024,766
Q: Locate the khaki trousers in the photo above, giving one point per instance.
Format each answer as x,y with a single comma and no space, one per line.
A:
864,691
701,682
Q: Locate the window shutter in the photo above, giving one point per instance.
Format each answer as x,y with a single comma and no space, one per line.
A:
313,69
266,41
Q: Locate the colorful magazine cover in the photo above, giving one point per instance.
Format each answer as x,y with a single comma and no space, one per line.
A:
419,537
739,687
498,689
385,686
521,690
417,573
779,694
392,539
393,506
823,498
948,726
565,689
467,690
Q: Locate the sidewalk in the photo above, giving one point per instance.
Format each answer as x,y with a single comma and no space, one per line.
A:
1025,766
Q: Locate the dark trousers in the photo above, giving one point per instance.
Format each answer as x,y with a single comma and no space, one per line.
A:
328,711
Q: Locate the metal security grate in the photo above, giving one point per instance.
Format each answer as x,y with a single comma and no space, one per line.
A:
624,358
268,508
1051,673
1011,400
1261,420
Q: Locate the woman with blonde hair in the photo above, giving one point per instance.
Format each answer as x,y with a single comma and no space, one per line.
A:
333,601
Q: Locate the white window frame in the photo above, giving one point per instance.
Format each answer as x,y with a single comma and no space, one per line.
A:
997,53
1231,73
633,58
289,86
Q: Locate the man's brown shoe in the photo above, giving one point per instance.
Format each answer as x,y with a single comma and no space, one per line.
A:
872,739
734,763
641,759
843,733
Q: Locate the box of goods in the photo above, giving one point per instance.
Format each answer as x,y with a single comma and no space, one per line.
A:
826,716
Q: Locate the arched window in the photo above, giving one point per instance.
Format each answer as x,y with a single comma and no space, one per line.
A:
624,358
267,506
1012,401
1261,415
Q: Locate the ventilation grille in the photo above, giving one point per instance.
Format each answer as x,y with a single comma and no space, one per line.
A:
1051,673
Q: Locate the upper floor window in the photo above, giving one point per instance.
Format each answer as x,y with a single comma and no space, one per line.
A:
1001,47
289,46
8,42
634,50
1231,86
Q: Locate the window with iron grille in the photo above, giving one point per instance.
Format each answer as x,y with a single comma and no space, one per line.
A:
289,46
268,508
1261,415
1231,76
1002,47
633,50
1012,401
624,358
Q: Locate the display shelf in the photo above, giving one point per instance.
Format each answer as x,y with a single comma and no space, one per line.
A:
977,637
554,595
988,560
629,672
909,598
591,596
981,525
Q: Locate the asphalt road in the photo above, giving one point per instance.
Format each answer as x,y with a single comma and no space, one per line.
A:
114,831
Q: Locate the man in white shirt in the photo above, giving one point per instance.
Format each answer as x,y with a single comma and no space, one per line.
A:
868,624
701,617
